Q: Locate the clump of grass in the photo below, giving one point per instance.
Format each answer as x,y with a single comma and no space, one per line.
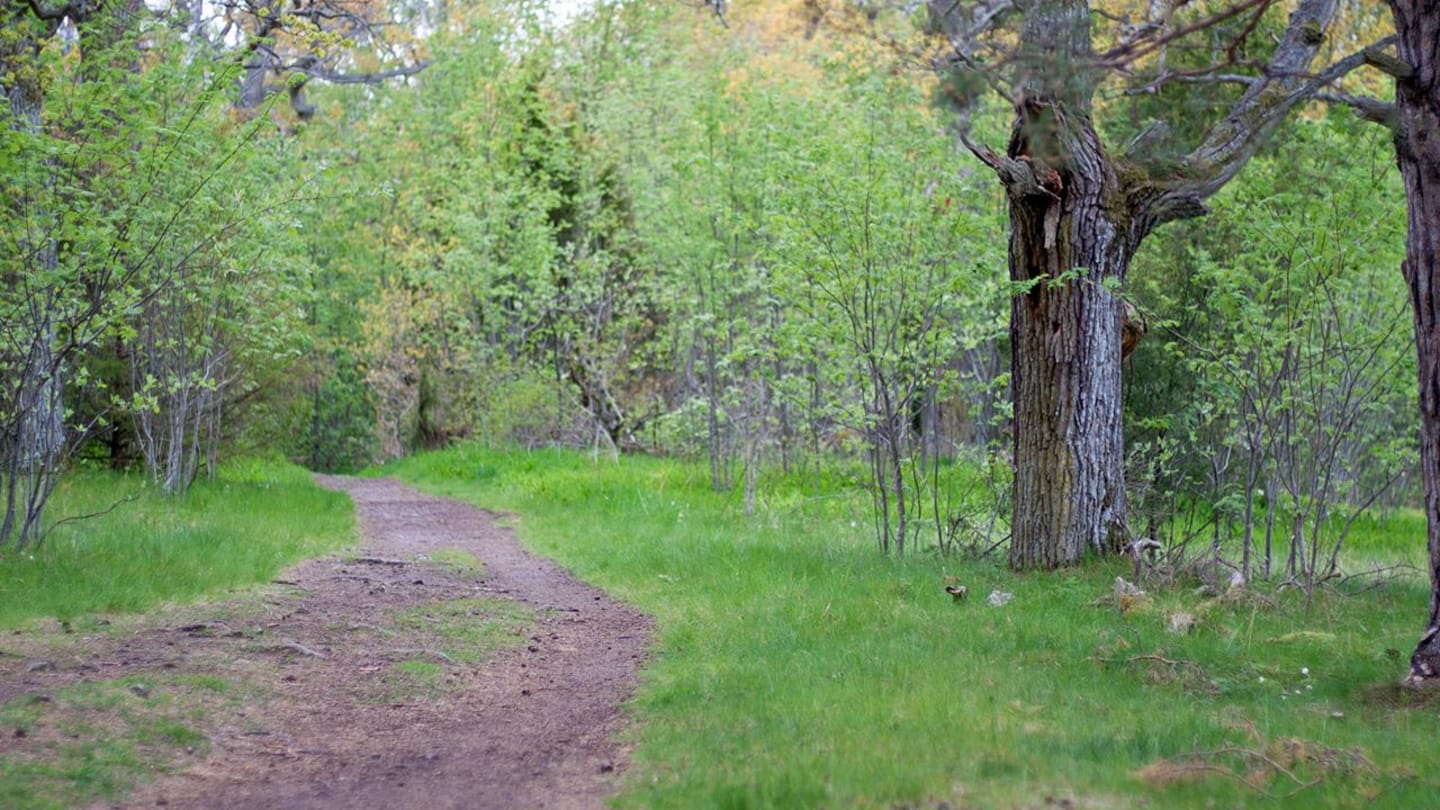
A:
797,667
469,628
413,679
243,528
459,560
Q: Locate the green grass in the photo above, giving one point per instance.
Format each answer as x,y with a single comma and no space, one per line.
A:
413,679
459,560
240,529
796,667
95,739
470,627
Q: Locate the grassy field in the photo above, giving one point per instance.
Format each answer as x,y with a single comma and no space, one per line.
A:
256,518
797,667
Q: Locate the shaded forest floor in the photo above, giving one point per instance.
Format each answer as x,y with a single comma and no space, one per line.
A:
440,665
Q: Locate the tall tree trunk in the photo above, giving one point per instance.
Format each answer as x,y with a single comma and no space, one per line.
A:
1065,339
1417,151
1075,224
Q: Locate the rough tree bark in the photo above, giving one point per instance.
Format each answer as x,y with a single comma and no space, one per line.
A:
1068,244
1416,122
1078,213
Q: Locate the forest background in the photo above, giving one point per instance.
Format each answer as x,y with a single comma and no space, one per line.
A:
754,238
745,236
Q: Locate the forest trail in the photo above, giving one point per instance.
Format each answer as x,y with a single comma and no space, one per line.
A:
338,724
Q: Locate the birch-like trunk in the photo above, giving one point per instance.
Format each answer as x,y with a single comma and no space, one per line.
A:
32,414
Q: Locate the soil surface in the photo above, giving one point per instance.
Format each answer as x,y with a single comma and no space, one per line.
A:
402,675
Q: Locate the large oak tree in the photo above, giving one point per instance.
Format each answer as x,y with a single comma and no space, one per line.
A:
1080,208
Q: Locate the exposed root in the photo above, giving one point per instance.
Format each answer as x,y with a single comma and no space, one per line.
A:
410,651
1300,764
291,644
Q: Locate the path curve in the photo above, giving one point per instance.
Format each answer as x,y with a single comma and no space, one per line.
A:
530,727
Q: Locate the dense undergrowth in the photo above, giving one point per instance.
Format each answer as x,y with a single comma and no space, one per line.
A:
796,667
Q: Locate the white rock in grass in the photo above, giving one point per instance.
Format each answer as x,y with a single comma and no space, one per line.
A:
1181,622
1124,588
999,598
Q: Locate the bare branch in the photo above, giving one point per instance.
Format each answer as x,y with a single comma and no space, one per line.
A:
1369,109
1266,102
1378,57
1146,43
312,68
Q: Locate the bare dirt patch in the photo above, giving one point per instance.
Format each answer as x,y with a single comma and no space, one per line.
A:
439,666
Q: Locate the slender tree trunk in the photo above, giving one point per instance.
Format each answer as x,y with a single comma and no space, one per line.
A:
32,429
1417,150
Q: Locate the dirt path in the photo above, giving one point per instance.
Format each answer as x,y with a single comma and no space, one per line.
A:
398,677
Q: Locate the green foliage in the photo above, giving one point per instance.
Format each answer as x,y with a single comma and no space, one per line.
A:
147,259
256,518
1283,375
795,668
341,430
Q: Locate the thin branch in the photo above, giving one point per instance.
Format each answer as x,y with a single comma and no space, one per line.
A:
75,518
1129,51
381,561
312,68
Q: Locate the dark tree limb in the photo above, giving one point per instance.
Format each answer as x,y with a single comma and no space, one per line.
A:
1378,57
1264,105
1018,175
75,10
1369,109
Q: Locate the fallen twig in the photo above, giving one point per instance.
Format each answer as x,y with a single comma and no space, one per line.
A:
202,627
418,651
291,644
107,510
1383,576
372,627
